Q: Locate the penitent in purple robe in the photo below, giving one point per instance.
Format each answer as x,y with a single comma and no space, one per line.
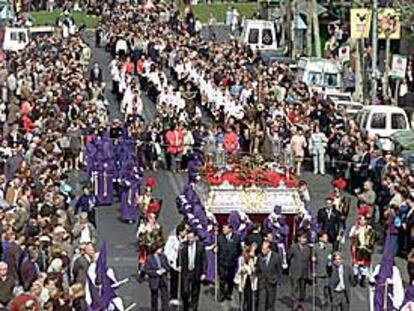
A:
129,193
209,243
90,158
102,181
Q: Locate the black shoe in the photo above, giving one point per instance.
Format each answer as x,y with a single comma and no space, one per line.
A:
229,298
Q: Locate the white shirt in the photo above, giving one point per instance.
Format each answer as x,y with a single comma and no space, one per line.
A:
191,256
341,285
171,249
121,45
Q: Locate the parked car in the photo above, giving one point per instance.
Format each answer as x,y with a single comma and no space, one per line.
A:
16,38
343,101
383,121
403,146
320,74
259,34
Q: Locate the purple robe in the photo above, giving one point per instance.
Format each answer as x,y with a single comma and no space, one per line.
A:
385,272
129,195
190,194
102,181
117,158
209,242
280,230
90,158
408,295
240,227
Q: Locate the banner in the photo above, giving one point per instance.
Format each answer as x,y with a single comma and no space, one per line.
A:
389,24
344,54
399,66
360,23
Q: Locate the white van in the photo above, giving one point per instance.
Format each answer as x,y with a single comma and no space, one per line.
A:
343,102
259,34
319,73
382,120
16,38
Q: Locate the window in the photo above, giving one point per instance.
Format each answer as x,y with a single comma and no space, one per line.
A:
22,37
331,79
315,78
378,121
267,38
18,36
364,120
14,36
398,121
254,36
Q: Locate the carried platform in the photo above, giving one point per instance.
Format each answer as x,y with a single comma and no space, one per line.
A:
225,198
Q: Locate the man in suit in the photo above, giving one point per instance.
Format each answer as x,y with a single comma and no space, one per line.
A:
81,264
322,263
339,283
193,265
156,267
329,220
269,273
362,166
299,257
229,250
29,270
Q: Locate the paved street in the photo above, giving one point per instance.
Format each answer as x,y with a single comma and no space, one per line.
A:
121,238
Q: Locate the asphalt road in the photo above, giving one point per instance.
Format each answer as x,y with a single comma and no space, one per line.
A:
121,237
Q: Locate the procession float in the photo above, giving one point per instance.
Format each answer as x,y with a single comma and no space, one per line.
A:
249,185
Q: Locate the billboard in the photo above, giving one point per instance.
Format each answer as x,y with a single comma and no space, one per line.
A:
360,23
389,24
399,66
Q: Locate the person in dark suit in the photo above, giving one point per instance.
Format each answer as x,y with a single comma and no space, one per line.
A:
322,263
229,250
362,166
329,220
156,267
81,264
193,265
269,273
300,257
29,270
340,283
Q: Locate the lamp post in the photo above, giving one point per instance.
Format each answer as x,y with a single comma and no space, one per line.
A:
374,50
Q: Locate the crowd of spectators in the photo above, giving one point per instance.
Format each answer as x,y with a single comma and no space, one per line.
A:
48,107
253,107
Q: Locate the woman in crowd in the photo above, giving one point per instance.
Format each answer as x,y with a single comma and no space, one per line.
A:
246,279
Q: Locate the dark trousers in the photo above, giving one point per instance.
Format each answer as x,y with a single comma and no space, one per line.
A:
226,281
155,293
339,301
298,287
267,297
190,291
173,284
115,87
322,292
247,298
